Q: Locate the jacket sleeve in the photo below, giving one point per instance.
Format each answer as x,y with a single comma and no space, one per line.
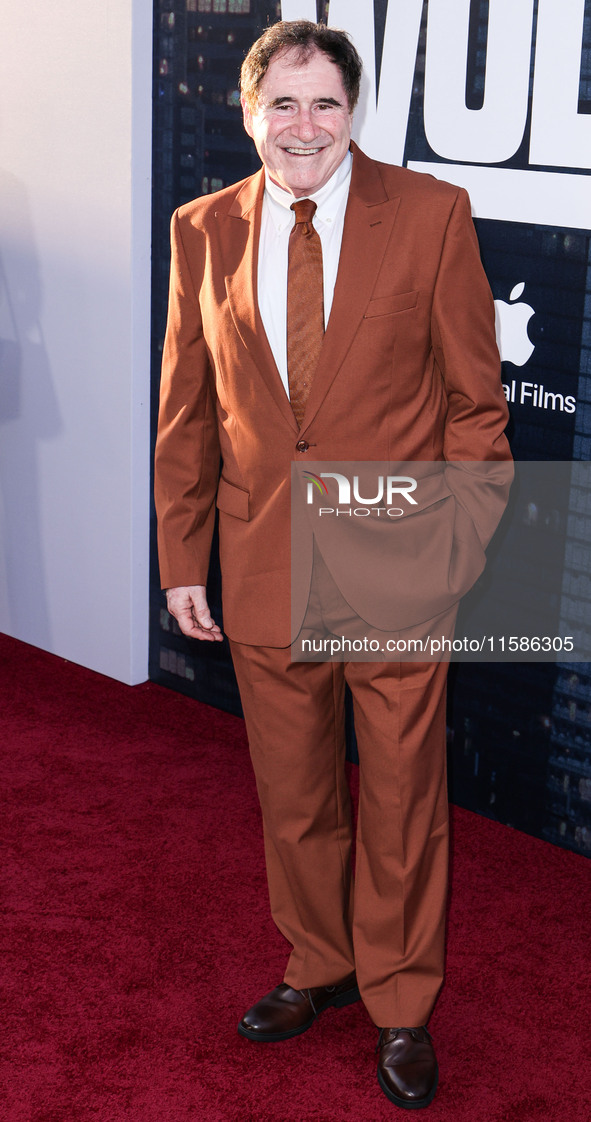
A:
464,342
187,458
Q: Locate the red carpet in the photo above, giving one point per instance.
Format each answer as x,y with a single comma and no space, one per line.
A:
135,933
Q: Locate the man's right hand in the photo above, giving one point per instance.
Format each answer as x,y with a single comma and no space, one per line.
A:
189,607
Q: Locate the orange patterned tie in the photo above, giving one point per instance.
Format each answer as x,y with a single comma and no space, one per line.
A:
305,305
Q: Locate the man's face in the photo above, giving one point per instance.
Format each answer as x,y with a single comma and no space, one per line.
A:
301,125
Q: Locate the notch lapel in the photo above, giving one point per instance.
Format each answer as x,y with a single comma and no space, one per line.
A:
243,233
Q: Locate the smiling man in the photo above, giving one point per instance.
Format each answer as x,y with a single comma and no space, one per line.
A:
301,137
328,308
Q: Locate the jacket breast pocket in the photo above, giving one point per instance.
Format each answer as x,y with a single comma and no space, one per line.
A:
233,500
391,305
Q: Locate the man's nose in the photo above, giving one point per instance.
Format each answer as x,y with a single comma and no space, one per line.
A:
305,126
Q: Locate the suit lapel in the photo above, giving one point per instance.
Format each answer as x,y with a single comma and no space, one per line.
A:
244,228
369,220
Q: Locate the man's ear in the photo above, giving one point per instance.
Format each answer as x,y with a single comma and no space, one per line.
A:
246,116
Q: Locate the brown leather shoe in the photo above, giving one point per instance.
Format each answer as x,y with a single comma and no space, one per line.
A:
285,1012
407,1068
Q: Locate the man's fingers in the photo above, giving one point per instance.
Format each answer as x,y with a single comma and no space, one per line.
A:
201,613
190,608
204,627
203,618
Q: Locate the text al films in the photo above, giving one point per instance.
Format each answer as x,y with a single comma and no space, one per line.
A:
537,396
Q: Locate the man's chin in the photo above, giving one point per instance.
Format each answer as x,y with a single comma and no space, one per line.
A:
302,181
301,173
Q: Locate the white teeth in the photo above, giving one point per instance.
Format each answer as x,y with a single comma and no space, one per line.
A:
304,151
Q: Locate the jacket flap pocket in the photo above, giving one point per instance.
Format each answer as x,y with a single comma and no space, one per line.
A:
387,305
233,500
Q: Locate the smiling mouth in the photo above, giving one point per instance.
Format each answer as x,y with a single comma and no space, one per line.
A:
303,151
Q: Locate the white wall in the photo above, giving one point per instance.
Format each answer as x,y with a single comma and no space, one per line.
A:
75,135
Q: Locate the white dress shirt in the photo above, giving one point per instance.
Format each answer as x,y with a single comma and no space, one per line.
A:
276,225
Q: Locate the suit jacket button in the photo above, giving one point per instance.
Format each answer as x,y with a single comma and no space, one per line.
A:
302,446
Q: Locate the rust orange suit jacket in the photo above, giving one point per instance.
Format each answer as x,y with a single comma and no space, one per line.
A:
409,370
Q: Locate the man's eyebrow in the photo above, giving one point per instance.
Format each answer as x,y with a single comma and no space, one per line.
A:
317,101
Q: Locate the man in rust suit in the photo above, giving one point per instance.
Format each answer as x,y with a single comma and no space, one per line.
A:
408,369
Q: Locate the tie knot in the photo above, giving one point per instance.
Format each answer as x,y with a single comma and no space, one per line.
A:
304,210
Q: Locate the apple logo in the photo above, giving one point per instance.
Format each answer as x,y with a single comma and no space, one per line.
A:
511,320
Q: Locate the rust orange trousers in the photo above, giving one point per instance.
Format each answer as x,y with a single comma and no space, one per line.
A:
388,921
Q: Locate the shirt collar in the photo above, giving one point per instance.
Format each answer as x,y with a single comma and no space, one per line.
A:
328,199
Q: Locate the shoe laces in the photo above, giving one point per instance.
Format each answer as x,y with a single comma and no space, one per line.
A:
317,989
413,1032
